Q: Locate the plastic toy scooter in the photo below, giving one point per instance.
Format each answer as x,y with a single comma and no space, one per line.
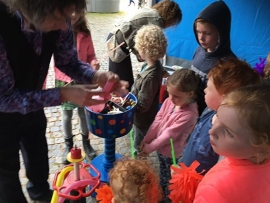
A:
74,180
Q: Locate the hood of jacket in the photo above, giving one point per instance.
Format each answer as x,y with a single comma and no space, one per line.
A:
218,14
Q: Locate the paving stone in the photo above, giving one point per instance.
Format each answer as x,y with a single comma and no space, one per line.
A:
50,141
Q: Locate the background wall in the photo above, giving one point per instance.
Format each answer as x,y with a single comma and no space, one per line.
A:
250,29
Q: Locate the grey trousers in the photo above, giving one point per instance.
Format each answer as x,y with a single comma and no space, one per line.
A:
67,125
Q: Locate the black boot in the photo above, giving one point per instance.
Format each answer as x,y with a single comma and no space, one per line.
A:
89,151
69,145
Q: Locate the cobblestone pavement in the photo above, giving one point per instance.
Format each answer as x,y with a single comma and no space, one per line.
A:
100,25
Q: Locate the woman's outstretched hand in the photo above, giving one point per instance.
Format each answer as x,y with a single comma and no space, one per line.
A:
82,95
102,77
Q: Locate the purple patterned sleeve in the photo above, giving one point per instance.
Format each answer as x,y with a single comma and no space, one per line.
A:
16,100
66,59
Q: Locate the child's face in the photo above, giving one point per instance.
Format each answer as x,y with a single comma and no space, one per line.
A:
74,17
207,36
177,97
229,137
212,97
142,55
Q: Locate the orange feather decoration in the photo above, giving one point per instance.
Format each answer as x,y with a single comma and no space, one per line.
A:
184,183
104,194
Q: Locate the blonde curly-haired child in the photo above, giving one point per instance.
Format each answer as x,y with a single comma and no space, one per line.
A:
151,44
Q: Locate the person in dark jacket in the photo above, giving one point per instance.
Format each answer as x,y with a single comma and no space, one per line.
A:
30,32
212,31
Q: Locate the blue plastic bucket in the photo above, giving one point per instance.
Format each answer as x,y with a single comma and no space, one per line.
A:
111,125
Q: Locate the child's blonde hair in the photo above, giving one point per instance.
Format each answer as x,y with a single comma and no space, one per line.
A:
150,40
252,104
134,181
185,80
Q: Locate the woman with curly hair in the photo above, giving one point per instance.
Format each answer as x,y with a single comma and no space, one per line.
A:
164,14
134,181
151,44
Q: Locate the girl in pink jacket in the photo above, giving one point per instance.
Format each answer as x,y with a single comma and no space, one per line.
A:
86,53
175,120
241,133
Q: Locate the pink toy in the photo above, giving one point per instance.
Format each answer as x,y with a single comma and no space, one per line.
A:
98,108
74,179
107,88
76,153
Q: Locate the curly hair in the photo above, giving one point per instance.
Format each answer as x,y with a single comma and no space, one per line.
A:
134,181
185,80
151,40
169,11
266,71
39,9
252,104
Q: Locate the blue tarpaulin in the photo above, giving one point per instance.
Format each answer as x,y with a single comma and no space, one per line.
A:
250,29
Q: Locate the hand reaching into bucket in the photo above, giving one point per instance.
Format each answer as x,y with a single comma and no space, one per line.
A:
95,64
82,95
119,87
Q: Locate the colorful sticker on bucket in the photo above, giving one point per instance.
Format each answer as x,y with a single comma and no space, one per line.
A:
112,122
93,122
123,131
110,131
98,132
100,117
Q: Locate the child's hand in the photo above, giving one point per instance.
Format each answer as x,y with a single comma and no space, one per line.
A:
142,153
142,146
95,64
172,171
